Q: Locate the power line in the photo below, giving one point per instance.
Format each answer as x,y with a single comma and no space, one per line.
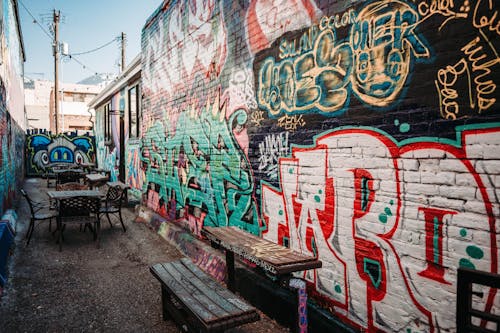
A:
72,57
35,20
97,48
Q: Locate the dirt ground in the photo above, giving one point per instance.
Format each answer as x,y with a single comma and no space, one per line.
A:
85,289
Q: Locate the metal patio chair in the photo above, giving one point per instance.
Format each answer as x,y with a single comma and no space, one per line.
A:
38,214
115,197
82,210
68,176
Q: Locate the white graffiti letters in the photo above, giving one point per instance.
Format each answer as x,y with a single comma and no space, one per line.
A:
273,147
343,201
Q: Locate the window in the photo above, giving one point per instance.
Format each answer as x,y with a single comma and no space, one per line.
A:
133,112
79,97
68,97
107,122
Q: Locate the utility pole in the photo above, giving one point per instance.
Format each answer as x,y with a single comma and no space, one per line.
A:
56,17
124,38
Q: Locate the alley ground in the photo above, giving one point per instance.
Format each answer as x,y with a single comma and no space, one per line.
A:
85,289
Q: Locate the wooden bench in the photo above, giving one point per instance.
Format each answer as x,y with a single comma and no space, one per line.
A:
197,302
278,262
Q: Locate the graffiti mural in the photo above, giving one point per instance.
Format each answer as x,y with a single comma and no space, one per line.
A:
44,149
11,154
202,174
317,70
135,174
370,214
365,133
193,33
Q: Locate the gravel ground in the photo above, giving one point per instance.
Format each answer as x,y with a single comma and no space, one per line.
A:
85,289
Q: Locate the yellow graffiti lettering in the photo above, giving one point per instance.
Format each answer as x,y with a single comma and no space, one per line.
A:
441,7
299,46
484,86
338,21
446,79
480,21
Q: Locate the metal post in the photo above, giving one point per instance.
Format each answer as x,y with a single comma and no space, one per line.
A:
124,38
56,17
231,285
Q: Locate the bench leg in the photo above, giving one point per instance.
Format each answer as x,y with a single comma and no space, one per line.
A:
230,271
165,298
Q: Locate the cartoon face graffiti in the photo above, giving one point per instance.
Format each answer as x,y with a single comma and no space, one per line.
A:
383,40
61,149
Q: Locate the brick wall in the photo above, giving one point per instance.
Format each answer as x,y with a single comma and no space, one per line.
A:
12,140
12,113
366,133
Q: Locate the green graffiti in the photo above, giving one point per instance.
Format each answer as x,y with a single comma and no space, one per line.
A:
199,164
466,263
374,271
474,252
338,289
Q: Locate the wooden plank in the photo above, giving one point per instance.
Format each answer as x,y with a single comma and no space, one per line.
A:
205,291
221,291
202,303
182,294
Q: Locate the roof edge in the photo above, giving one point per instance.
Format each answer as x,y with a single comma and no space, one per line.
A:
132,69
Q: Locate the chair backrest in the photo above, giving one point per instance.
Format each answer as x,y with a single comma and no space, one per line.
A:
115,196
72,186
79,206
471,282
68,176
30,203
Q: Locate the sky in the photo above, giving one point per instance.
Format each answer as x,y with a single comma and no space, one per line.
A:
85,25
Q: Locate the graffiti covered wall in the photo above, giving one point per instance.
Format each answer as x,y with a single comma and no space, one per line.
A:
12,139
366,133
44,148
12,117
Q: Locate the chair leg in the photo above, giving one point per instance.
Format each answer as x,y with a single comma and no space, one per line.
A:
121,221
59,235
98,233
30,231
109,220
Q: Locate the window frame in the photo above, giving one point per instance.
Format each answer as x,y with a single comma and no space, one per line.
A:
107,121
137,105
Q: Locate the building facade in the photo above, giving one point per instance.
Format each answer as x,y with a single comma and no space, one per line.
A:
116,129
366,133
74,114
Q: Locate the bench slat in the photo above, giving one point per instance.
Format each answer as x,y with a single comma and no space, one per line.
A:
206,291
230,302
178,288
206,299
